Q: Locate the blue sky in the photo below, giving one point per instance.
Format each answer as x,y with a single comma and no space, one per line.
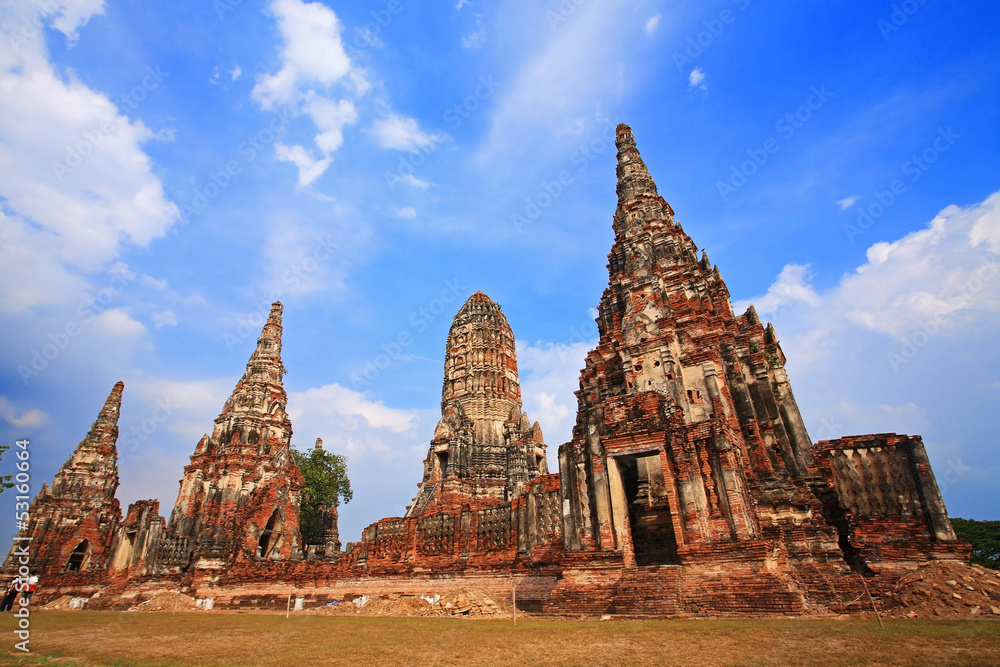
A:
169,169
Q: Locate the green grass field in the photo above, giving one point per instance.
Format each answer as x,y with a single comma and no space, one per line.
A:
115,638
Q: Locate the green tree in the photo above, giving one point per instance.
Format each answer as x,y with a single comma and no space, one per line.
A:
5,480
326,485
984,536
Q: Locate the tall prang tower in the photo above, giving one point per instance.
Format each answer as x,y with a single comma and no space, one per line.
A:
72,524
484,446
688,442
241,493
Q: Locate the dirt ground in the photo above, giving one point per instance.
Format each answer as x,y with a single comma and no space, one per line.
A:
189,638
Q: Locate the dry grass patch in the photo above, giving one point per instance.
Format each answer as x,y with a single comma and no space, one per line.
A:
115,638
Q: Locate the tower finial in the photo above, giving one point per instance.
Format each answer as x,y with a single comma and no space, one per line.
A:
634,180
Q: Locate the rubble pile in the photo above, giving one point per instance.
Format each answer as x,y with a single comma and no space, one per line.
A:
469,603
945,590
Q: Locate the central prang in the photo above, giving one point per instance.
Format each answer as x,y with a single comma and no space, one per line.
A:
484,447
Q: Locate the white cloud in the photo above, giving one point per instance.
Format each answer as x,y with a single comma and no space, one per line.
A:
28,419
74,14
309,168
697,79
847,202
384,447
235,72
30,268
652,24
407,212
549,374
70,163
403,134
414,182
312,53
313,60
118,322
166,318
330,118
791,287
157,284
76,187
934,275
341,407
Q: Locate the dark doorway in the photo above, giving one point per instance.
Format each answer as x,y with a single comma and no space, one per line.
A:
78,558
269,538
441,464
653,539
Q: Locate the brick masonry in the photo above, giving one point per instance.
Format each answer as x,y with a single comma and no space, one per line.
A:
690,485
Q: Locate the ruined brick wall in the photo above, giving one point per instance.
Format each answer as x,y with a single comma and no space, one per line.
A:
137,542
891,506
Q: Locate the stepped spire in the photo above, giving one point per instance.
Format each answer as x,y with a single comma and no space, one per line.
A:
94,463
634,180
484,447
480,367
241,492
71,525
639,206
261,389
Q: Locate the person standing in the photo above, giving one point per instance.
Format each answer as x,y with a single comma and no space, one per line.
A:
8,598
29,590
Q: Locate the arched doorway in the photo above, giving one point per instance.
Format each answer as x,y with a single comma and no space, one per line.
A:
79,558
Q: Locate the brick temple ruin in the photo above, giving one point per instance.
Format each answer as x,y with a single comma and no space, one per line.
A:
690,485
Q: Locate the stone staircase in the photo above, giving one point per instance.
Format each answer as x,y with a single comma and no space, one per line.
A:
642,591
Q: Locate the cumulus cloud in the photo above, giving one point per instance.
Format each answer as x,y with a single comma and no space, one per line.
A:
330,118
310,168
697,79
77,190
120,323
312,53
935,274
414,182
71,163
30,268
904,343
550,373
791,287
403,134
344,409
28,419
74,14
313,62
